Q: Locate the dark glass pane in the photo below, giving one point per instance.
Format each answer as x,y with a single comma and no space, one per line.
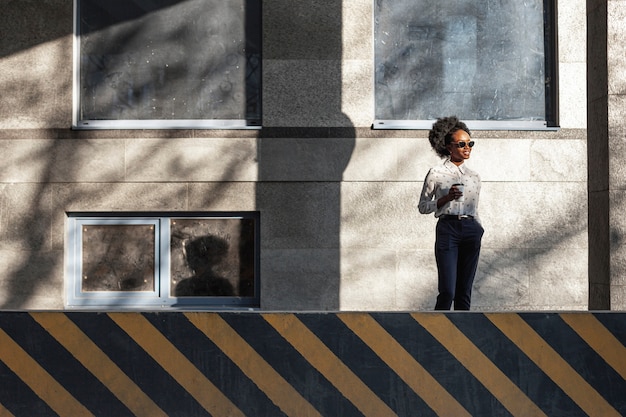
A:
212,257
478,59
118,258
170,59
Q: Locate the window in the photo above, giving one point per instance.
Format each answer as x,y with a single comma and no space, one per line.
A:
493,63
167,64
195,260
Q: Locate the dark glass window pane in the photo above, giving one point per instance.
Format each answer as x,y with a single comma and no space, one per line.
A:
118,258
478,59
170,60
212,257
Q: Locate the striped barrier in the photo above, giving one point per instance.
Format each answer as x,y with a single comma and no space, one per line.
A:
312,364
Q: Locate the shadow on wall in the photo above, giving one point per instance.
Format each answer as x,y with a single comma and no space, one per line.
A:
303,150
300,169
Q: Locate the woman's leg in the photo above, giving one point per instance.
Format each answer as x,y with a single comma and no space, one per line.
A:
469,252
446,255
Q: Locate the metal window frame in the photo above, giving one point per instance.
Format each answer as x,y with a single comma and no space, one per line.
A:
160,298
551,123
130,124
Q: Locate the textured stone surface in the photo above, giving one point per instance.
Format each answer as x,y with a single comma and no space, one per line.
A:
62,160
299,215
416,283
598,147
357,100
558,283
572,31
502,160
539,215
597,63
368,280
37,104
356,30
616,33
304,159
302,30
304,93
572,63
339,223
503,280
617,237
301,279
618,297
31,279
166,160
562,160
572,94
220,196
384,215
25,217
606,172
599,242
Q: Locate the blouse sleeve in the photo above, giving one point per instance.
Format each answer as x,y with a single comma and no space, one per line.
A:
428,202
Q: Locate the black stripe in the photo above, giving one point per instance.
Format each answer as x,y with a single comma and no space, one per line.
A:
367,365
516,365
615,323
440,363
214,364
18,398
580,356
290,364
62,366
148,375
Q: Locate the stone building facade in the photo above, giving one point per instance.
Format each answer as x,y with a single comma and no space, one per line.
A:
339,227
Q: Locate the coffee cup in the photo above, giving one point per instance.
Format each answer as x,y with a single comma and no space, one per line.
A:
461,188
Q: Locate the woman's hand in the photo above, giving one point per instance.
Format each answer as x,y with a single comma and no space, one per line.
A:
453,194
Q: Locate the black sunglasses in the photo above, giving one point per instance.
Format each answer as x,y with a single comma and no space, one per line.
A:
462,144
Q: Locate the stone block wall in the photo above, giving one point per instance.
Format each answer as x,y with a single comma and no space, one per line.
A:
339,224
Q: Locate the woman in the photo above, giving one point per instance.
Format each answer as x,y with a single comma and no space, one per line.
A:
451,191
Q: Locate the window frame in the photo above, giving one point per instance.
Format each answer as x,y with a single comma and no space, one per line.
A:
160,298
78,123
551,122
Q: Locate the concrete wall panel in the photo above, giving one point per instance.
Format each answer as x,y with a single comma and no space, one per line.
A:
301,279
196,159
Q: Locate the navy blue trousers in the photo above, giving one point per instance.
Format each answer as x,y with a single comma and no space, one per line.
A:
457,248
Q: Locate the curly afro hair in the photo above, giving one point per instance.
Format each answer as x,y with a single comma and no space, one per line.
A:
441,133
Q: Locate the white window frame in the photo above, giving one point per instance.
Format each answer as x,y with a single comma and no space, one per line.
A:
160,298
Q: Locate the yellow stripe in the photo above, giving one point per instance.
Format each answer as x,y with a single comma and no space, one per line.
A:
403,364
600,339
253,365
552,364
98,363
176,364
329,365
472,358
4,412
40,381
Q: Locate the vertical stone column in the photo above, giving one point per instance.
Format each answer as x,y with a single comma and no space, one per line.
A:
606,119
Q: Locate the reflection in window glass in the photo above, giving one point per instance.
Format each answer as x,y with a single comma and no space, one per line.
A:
169,60
194,260
212,257
118,258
